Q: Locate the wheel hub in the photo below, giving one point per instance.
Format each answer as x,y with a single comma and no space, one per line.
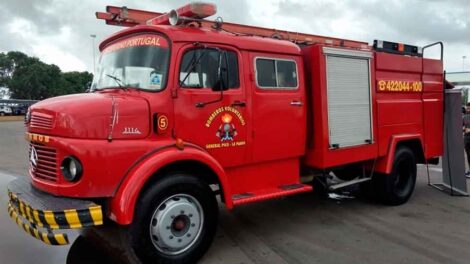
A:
176,224
180,225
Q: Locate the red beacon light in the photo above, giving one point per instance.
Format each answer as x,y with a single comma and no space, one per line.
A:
190,12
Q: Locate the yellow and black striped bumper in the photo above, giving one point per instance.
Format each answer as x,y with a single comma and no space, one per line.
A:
46,237
34,211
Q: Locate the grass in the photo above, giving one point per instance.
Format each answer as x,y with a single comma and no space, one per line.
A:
11,118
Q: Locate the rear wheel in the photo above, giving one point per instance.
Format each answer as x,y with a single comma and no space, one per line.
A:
175,221
397,187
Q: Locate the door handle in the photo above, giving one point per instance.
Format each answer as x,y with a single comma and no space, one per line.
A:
296,103
239,103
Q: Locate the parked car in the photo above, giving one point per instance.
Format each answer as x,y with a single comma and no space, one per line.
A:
5,110
20,110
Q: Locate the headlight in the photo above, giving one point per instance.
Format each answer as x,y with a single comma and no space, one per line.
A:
71,169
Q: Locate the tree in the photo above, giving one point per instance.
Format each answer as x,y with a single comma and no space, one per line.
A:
29,78
8,64
35,80
77,82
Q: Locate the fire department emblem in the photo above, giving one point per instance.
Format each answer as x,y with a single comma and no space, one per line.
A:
227,130
227,134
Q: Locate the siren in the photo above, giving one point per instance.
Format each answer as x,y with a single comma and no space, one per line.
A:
190,12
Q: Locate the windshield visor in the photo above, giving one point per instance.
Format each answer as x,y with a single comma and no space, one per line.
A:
137,62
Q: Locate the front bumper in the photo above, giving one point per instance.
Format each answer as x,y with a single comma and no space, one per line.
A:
39,213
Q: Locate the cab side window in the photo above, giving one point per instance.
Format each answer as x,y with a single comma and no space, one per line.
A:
199,69
276,74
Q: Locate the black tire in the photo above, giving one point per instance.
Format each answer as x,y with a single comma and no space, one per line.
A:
140,235
397,187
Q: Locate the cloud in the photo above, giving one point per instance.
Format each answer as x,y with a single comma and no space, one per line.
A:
58,31
413,22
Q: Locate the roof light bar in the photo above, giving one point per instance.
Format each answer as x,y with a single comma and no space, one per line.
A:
191,12
397,48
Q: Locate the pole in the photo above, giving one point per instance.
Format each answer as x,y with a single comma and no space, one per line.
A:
463,62
93,36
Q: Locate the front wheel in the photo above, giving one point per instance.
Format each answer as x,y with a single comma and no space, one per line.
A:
175,221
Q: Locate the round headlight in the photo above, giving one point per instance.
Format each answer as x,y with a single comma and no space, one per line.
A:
71,169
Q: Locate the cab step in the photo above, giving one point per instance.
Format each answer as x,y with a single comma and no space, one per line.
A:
272,193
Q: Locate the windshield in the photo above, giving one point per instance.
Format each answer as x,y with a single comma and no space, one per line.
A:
138,62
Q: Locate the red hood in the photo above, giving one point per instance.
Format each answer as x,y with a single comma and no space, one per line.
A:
92,115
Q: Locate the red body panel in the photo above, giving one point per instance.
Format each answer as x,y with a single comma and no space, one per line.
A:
318,154
70,120
433,107
260,176
274,137
123,203
199,125
104,163
279,130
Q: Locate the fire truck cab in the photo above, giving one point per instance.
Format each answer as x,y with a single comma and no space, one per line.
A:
183,109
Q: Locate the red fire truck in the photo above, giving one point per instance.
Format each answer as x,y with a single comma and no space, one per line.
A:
183,109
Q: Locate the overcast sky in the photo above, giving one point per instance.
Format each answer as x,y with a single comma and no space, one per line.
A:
58,31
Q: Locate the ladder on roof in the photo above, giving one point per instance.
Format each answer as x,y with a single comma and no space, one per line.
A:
123,16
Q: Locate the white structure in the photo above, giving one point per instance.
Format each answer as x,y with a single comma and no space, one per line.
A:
4,93
460,80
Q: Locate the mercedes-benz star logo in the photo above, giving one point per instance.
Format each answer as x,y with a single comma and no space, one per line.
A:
33,157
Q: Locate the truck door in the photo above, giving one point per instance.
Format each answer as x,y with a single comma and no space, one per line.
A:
210,119
279,116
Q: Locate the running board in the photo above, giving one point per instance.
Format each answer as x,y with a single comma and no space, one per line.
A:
348,183
267,194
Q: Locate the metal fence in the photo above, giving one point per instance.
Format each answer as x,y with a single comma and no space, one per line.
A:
18,106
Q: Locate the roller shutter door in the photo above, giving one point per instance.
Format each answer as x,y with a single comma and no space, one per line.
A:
349,97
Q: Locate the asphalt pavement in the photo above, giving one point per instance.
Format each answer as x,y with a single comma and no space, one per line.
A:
432,227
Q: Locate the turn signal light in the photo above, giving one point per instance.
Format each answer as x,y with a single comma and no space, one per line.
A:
401,47
179,144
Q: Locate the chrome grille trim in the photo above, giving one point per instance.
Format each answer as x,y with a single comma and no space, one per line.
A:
41,121
46,168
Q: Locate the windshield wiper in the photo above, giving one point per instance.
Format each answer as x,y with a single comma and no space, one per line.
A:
116,79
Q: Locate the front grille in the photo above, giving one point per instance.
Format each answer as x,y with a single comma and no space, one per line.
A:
46,165
43,121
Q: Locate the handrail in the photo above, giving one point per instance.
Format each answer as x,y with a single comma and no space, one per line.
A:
434,44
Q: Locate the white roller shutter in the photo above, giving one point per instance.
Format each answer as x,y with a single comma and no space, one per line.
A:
349,97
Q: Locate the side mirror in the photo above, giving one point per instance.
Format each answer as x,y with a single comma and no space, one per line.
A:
222,83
